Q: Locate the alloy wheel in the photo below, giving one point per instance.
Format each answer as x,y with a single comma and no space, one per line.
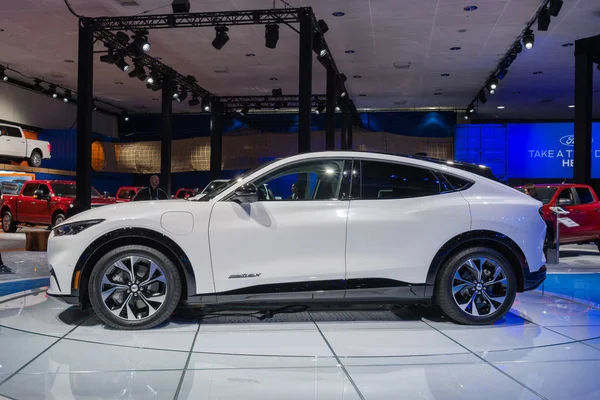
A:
133,288
479,287
6,222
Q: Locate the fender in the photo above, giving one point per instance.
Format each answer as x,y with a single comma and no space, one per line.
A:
470,238
166,244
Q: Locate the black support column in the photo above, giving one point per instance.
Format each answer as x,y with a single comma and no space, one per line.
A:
582,171
85,94
166,142
350,141
305,84
216,139
345,123
330,104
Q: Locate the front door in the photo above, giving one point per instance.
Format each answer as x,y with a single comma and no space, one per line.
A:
26,202
40,207
290,242
567,199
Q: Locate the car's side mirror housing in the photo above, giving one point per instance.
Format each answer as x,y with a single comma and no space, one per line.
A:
565,202
38,194
246,194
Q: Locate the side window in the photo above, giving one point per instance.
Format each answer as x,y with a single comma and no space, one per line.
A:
310,180
585,196
123,194
456,182
13,132
382,180
565,198
3,131
30,189
44,189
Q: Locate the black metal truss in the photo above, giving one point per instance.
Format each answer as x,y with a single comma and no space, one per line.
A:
259,102
183,82
204,19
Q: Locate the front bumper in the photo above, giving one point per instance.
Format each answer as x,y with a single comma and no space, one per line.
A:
531,280
69,299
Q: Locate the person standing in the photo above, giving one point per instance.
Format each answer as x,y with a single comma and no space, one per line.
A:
152,192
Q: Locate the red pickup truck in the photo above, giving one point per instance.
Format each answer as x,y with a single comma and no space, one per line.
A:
126,193
583,206
42,203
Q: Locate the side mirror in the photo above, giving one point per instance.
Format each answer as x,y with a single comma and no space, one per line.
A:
246,193
565,202
38,194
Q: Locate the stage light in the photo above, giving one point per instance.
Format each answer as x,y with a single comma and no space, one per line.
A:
125,116
492,91
492,83
343,77
138,72
108,58
182,95
94,106
518,47
481,97
502,73
271,35
68,96
322,26
3,74
123,37
205,105
555,6
320,108
543,19
245,110
528,39
181,6
221,38
466,116
140,42
52,91
471,109
194,101
38,85
337,109
277,92
122,65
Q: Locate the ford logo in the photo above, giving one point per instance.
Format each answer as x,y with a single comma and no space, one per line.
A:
568,140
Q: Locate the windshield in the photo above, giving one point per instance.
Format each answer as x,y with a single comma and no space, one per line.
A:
545,194
68,190
214,185
218,191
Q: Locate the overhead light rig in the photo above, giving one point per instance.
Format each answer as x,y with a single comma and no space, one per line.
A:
262,102
525,40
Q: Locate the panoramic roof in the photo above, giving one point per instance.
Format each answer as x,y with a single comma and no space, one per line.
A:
394,52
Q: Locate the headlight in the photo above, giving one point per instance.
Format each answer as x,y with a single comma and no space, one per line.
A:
75,227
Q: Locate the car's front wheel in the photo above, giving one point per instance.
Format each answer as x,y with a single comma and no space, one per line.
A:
134,287
8,224
476,286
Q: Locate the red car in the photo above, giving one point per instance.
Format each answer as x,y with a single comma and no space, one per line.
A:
184,193
583,206
42,203
126,193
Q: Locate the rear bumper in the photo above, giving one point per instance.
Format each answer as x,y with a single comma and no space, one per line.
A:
533,279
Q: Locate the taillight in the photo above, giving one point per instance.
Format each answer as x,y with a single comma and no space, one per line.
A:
49,148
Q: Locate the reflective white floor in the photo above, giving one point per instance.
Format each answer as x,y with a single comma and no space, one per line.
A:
546,348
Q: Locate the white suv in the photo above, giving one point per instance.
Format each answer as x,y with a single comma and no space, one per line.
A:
313,228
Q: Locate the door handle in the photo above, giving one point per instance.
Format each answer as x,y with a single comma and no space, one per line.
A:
33,203
20,201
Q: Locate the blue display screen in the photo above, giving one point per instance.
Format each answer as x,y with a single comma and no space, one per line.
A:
545,150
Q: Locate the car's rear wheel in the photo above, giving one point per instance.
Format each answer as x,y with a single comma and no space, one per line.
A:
134,287
36,159
58,219
476,286
8,223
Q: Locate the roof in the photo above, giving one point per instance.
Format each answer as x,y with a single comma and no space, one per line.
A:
557,185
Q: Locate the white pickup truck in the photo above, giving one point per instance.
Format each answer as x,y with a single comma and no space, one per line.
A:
15,147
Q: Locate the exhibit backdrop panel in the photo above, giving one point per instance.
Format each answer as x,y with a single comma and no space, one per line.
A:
524,150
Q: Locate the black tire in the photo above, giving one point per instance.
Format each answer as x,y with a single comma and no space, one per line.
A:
445,279
36,159
58,219
172,278
8,223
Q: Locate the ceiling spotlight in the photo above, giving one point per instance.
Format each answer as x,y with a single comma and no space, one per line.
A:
343,94
205,105
138,72
181,6
337,109
322,26
500,107
94,106
68,96
572,106
466,116
271,35
150,79
182,95
175,92
320,108
481,97
194,101
343,77
502,73
277,92
543,19
3,74
555,6
518,47
470,109
123,37
108,58
52,91
38,85
122,65
528,39
492,91
245,110
492,83
125,116
140,42
221,37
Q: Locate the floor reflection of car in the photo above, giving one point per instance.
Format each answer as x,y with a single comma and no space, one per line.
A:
317,227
